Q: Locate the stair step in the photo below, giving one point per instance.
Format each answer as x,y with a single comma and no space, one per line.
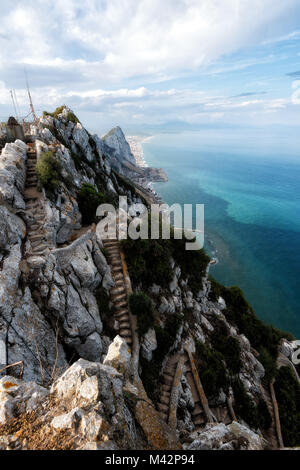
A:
169,372
39,249
124,324
36,243
123,303
119,278
108,242
39,253
118,290
125,332
168,380
33,227
123,311
198,410
127,337
198,421
35,234
116,269
116,262
116,297
122,319
163,408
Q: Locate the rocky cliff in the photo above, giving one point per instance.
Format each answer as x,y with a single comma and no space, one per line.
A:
109,345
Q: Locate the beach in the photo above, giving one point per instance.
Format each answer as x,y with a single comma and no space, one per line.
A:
135,143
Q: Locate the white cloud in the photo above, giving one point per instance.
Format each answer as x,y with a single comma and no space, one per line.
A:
130,37
110,56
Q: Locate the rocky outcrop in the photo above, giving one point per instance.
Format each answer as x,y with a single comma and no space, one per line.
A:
85,407
235,436
115,139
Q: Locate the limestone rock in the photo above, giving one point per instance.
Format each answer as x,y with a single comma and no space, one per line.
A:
233,436
18,397
118,355
117,141
148,344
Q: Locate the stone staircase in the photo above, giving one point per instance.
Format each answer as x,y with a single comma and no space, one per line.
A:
200,416
198,413
166,387
118,293
35,212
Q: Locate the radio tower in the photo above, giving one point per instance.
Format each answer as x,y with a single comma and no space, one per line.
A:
14,104
30,99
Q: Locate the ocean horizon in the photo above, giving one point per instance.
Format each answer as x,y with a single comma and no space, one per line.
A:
248,182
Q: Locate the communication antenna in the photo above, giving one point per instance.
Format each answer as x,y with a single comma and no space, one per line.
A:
16,101
14,104
30,99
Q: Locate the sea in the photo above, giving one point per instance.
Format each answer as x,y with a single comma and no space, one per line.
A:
249,183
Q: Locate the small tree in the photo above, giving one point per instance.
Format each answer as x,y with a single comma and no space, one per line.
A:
88,201
141,306
48,170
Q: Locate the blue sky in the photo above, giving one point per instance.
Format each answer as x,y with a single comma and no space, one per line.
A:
148,64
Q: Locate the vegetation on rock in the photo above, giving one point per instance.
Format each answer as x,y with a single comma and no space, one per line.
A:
88,201
48,170
141,306
287,392
264,338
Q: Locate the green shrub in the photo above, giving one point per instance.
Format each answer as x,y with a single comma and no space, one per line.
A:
141,306
212,370
48,170
244,406
231,350
148,261
287,392
193,263
215,290
105,313
55,114
88,201
240,313
269,364
263,414
71,117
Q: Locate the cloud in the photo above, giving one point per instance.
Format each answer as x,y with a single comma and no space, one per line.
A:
294,74
114,56
249,93
129,38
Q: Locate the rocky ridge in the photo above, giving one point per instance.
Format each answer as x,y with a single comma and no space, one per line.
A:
82,384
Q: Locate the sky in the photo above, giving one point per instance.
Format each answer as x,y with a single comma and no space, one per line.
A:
153,64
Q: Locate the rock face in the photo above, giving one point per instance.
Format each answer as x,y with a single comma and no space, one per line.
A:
116,140
149,344
235,436
118,355
87,402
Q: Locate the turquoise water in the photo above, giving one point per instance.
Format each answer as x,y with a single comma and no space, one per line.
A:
249,184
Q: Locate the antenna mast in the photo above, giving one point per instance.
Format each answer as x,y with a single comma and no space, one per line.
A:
30,99
14,104
17,104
